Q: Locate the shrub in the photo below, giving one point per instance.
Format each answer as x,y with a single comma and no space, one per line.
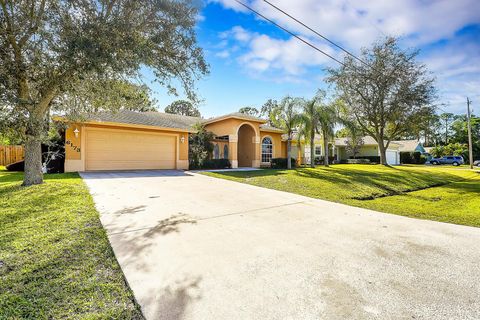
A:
53,156
200,146
406,157
412,158
357,161
281,163
373,159
16,166
423,159
211,164
321,159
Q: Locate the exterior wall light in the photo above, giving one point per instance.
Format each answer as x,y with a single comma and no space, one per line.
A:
182,139
76,132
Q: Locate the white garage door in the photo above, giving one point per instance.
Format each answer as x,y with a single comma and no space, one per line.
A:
392,157
111,149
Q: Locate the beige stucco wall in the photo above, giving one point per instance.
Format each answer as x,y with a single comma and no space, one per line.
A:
365,151
230,127
277,143
368,151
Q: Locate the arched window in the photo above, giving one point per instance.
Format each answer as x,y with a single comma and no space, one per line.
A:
216,152
267,149
225,152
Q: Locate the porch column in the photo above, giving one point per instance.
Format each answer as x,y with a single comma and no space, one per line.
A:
233,150
256,146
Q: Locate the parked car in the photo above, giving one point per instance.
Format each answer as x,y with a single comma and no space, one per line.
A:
476,163
453,160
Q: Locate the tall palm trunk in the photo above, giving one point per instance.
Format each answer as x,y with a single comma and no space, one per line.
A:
312,148
325,145
289,153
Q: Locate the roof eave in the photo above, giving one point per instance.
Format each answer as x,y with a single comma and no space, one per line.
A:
233,117
126,125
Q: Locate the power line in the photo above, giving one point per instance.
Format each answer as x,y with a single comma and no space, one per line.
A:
305,41
291,33
317,33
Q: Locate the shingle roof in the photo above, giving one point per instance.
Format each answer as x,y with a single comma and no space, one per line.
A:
266,127
407,145
367,140
167,120
153,118
235,115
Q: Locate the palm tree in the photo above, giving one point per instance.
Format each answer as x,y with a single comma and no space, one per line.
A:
327,117
301,133
285,116
310,121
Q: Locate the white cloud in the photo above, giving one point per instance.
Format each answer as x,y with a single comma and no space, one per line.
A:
223,54
290,57
457,68
238,33
357,23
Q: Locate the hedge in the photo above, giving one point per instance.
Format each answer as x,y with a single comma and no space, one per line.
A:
281,163
373,159
412,158
212,164
321,159
357,161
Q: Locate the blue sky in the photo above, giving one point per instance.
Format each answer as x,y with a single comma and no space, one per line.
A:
252,61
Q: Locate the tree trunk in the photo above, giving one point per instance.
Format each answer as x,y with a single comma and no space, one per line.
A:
33,154
383,152
289,153
325,146
312,149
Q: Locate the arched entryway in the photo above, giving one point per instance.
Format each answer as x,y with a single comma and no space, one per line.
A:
246,146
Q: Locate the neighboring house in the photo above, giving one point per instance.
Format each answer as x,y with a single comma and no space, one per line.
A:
368,149
301,149
129,140
428,150
410,146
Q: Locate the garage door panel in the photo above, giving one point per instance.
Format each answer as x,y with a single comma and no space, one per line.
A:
108,149
391,157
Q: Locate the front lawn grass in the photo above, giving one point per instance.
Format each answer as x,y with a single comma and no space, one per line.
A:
55,258
438,193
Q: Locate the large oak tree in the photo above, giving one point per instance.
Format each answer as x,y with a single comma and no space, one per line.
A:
388,93
48,47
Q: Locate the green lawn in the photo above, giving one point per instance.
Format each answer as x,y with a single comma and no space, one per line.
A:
440,193
55,258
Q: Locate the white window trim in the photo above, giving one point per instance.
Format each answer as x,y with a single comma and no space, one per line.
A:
261,149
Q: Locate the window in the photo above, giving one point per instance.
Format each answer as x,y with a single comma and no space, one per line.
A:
216,152
318,150
225,152
267,149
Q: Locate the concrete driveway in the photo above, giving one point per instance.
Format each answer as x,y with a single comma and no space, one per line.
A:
195,247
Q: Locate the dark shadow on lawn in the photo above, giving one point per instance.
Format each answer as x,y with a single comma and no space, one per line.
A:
389,182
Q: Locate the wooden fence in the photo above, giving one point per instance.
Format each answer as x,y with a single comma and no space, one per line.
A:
10,154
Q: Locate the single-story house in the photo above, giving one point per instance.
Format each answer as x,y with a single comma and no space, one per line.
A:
128,140
410,146
301,149
368,149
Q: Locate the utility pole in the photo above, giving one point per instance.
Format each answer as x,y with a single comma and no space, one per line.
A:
469,127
